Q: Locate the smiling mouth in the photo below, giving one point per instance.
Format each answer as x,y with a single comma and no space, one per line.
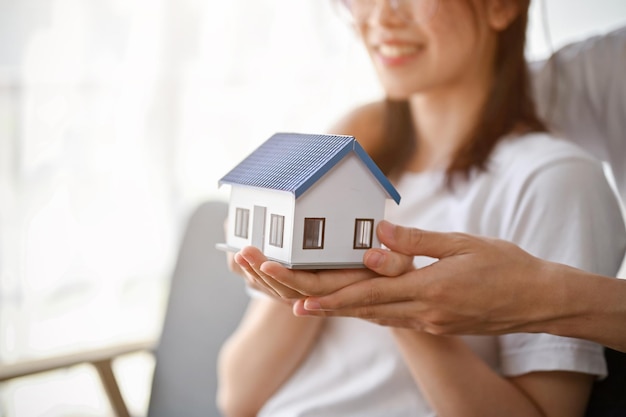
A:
397,51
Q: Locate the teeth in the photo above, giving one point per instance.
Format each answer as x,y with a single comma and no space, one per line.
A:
395,51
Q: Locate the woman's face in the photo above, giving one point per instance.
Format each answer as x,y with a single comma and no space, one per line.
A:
413,53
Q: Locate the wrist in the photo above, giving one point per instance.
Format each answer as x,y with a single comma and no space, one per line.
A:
576,303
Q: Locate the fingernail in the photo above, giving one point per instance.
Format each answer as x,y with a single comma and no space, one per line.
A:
239,259
374,259
386,230
312,305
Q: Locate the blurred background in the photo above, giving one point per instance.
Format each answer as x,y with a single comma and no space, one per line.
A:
117,118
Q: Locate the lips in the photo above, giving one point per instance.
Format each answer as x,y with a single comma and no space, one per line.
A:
397,54
393,51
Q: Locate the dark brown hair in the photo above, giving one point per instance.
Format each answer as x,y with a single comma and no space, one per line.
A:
509,107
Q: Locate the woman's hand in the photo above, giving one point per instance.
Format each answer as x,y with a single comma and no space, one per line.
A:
291,285
248,262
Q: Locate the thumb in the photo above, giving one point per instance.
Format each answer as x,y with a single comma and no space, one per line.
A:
417,242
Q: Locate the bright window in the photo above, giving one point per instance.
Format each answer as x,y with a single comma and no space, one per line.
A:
363,231
277,229
242,217
313,233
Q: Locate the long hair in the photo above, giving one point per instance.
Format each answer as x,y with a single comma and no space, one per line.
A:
509,106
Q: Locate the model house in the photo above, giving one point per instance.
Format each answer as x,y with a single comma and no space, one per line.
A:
307,201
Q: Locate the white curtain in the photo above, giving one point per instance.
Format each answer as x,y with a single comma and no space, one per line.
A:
87,173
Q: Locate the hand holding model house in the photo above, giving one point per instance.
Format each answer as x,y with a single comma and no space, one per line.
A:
307,201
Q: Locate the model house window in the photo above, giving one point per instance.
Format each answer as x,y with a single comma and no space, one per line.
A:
363,230
313,233
277,227
241,222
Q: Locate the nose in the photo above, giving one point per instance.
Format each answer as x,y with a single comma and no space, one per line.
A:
387,13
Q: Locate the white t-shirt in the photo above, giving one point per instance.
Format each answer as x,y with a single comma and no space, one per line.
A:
543,194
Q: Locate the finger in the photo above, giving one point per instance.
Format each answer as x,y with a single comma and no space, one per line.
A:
251,277
233,266
387,263
407,314
256,259
412,241
315,282
401,314
363,294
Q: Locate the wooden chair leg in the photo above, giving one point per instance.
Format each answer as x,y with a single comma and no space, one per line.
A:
112,389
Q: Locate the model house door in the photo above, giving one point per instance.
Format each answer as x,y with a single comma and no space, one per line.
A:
258,227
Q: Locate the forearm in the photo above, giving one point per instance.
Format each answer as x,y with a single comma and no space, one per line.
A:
258,358
456,382
583,305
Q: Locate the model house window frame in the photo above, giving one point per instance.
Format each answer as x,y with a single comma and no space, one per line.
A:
314,228
242,222
363,233
277,230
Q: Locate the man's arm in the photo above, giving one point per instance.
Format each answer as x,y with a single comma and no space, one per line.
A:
478,286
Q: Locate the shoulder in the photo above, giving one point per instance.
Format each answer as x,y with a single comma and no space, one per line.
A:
530,154
540,169
365,122
581,91
540,173
534,169
601,52
546,190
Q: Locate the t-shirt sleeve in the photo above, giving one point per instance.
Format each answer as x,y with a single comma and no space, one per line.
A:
522,353
566,213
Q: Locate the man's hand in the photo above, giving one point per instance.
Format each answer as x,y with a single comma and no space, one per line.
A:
478,285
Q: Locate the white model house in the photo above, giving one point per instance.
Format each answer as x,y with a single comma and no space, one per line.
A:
307,201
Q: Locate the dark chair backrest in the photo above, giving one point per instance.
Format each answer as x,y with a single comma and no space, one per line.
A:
206,302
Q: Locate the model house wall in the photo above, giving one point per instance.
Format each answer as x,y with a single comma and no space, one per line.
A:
261,204
346,193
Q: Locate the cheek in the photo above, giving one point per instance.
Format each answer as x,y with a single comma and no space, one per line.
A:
455,28
452,46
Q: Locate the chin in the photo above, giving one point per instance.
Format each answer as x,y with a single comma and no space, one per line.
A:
398,94
393,96
402,90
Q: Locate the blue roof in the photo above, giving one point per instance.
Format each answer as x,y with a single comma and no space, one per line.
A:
293,162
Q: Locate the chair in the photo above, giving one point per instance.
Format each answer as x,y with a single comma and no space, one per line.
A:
101,359
608,397
206,302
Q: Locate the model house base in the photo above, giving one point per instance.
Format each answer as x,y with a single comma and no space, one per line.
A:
321,265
